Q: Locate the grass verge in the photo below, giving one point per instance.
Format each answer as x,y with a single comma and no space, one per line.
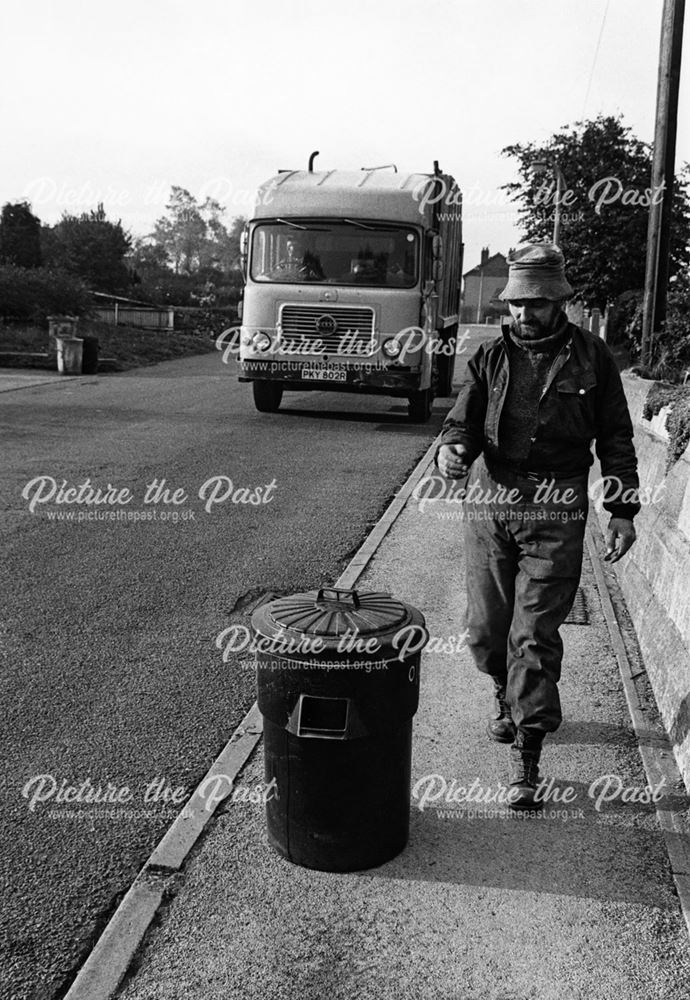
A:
119,347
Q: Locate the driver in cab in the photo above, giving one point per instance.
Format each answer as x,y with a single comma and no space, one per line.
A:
298,264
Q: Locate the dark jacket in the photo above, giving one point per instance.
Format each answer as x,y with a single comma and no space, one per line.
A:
583,401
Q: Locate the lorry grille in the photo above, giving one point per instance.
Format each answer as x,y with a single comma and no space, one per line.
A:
330,324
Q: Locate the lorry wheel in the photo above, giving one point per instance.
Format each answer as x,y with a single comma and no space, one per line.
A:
267,396
419,406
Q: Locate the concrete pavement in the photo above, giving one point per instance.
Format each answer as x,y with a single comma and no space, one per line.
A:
27,378
580,903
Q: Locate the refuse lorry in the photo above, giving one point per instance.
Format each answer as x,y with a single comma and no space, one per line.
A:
352,284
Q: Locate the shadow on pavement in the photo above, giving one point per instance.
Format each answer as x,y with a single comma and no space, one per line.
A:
599,733
396,415
596,857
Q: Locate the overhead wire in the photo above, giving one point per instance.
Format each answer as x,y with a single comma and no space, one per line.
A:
594,61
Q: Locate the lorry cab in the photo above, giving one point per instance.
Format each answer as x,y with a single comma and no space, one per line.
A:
352,284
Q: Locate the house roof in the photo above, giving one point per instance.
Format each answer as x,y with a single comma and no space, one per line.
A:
495,267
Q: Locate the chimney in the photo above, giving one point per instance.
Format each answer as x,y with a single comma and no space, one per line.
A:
485,257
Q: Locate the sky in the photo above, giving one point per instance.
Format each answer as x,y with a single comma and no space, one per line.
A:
117,102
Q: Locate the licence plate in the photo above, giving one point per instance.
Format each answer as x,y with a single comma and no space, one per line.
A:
325,374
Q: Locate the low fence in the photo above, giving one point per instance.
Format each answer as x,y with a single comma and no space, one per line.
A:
589,319
144,317
181,319
487,314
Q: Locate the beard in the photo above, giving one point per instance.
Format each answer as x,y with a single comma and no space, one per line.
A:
536,329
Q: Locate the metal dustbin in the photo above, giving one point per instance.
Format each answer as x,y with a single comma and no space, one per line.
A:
69,355
89,356
338,686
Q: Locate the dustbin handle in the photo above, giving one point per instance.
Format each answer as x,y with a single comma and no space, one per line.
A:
341,596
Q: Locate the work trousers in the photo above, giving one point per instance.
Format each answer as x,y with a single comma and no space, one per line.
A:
523,565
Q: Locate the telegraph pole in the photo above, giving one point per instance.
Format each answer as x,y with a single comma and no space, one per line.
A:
663,161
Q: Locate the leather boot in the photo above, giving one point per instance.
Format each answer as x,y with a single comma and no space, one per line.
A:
524,770
501,727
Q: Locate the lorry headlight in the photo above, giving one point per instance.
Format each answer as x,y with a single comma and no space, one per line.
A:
391,348
260,341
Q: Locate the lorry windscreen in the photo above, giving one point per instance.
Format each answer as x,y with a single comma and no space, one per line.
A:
336,253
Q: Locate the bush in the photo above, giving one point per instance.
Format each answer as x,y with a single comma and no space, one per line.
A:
625,321
33,294
209,322
678,419
674,341
671,347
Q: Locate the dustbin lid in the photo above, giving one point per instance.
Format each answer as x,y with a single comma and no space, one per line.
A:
331,612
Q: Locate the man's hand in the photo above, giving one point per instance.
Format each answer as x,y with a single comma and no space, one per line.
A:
452,461
619,537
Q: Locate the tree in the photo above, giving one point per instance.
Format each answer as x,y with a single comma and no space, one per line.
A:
182,233
92,247
604,208
194,237
234,237
155,281
191,257
20,236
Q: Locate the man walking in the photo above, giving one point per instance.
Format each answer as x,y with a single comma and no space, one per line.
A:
531,403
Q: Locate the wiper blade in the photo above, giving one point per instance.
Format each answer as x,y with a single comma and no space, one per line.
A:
306,229
295,225
361,225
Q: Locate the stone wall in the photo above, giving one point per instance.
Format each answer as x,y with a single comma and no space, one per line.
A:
655,574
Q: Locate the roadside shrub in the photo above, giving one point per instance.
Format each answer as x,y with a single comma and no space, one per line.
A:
671,347
625,321
678,419
33,294
205,322
674,341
